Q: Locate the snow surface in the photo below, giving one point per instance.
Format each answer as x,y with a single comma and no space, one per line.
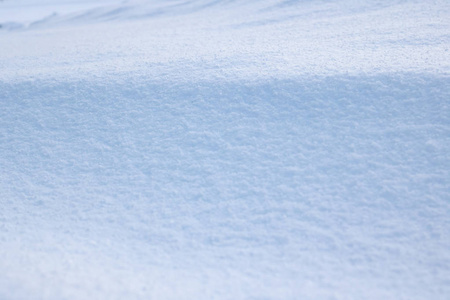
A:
224,149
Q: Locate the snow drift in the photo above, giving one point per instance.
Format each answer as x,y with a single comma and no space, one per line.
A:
225,150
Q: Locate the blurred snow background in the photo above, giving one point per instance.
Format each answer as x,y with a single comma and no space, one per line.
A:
224,149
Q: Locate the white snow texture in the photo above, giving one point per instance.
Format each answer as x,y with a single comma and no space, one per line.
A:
224,149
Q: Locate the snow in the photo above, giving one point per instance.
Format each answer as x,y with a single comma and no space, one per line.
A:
224,149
